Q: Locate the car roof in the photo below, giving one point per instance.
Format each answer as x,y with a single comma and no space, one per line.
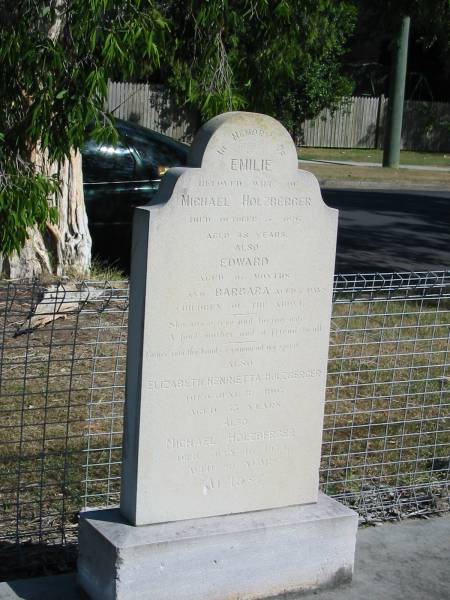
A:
133,130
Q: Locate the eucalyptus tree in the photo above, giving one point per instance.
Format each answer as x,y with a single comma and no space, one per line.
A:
55,60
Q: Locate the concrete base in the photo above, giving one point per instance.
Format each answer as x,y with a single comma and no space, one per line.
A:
244,556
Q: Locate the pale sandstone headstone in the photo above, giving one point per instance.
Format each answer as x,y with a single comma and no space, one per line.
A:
231,286
228,338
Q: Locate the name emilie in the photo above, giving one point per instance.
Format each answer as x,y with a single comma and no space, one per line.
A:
257,165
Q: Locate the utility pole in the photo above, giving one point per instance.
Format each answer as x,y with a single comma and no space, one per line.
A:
392,140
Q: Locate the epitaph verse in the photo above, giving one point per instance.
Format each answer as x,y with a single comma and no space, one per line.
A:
232,275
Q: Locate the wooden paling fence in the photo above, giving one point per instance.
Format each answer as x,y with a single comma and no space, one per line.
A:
151,106
359,123
356,125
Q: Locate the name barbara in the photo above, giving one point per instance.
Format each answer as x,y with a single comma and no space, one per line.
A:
243,291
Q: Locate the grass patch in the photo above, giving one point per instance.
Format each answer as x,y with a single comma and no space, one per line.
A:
407,157
396,177
103,271
387,423
61,399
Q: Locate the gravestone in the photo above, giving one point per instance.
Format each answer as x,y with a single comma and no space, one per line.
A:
231,285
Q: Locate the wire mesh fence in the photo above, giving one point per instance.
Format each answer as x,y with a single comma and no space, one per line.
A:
386,441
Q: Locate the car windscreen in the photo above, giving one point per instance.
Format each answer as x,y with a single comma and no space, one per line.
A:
107,162
153,154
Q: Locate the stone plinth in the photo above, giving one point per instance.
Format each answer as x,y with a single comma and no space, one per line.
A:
244,556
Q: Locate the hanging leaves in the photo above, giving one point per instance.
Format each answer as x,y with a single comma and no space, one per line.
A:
281,58
55,60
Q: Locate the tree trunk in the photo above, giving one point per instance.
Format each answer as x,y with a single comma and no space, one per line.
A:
72,238
65,247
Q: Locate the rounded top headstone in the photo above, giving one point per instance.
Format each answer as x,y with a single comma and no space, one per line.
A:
239,142
232,280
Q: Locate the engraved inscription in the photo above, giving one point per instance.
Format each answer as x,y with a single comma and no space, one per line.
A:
210,201
239,134
252,200
236,328
251,164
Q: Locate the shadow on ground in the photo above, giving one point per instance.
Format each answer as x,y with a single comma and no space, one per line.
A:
29,559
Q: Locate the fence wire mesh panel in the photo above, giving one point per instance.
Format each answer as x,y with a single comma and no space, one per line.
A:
386,441
62,374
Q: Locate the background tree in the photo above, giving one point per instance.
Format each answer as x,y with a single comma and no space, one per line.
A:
370,50
55,60
282,58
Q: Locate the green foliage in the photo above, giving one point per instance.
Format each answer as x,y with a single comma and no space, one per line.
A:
429,44
55,60
280,57
24,203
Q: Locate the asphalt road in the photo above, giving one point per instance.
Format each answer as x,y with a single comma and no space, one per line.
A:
391,230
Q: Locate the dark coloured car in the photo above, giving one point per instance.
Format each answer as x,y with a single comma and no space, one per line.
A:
119,177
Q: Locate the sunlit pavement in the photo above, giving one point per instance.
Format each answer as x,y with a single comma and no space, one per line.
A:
407,560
